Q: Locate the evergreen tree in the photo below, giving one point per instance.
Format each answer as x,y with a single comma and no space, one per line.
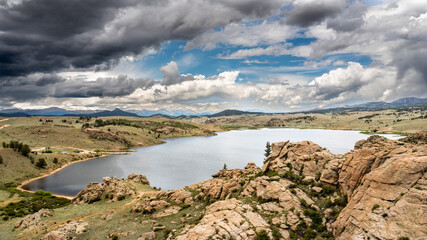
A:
267,149
41,163
225,167
25,150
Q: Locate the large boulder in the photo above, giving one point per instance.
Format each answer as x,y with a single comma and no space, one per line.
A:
227,219
113,189
138,178
304,157
34,221
225,182
387,191
66,232
180,196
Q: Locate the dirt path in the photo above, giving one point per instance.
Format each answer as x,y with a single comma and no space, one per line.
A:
4,126
14,198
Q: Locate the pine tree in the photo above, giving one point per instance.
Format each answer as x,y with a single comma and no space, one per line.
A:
225,167
267,149
41,163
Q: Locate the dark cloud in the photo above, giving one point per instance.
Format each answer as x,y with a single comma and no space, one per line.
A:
102,87
350,19
307,13
50,85
51,35
47,80
172,76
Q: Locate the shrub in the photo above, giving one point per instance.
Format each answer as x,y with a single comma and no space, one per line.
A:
375,207
41,163
30,205
1,159
263,235
310,234
55,160
276,234
316,219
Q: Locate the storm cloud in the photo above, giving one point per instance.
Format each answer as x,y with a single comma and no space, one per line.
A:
282,54
38,86
309,12
51,35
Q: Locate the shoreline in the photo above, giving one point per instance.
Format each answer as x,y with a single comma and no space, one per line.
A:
20,187
126,152
129,150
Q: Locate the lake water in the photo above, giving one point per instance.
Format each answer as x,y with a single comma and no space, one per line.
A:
184,161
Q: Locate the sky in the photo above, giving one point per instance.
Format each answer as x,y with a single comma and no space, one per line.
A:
194,56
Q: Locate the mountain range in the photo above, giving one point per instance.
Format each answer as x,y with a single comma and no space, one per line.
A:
409,101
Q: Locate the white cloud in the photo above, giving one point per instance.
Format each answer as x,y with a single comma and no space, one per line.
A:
355,81
241,34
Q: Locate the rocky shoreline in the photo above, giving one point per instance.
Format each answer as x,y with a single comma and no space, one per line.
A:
376,191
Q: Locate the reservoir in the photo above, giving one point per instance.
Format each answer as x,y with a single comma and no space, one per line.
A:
183,161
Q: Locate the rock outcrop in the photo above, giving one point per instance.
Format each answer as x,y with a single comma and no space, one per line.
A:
33,221
72,228
376,191
304,158
225,182
227,219
387,190
113,189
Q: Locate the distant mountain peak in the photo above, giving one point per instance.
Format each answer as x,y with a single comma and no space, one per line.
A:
232,112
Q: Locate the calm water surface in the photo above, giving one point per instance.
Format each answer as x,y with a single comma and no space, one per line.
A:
184,161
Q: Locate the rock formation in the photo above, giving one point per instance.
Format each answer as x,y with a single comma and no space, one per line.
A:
113,189
33,221
376,191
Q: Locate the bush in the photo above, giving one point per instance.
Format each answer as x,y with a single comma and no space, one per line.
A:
41,163
25,150
375,207
1,159
263,235
316,219
310,234
30,205
276,234
55,160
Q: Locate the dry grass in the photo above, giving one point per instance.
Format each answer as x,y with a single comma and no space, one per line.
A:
386,120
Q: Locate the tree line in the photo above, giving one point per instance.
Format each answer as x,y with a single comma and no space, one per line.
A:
20,147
